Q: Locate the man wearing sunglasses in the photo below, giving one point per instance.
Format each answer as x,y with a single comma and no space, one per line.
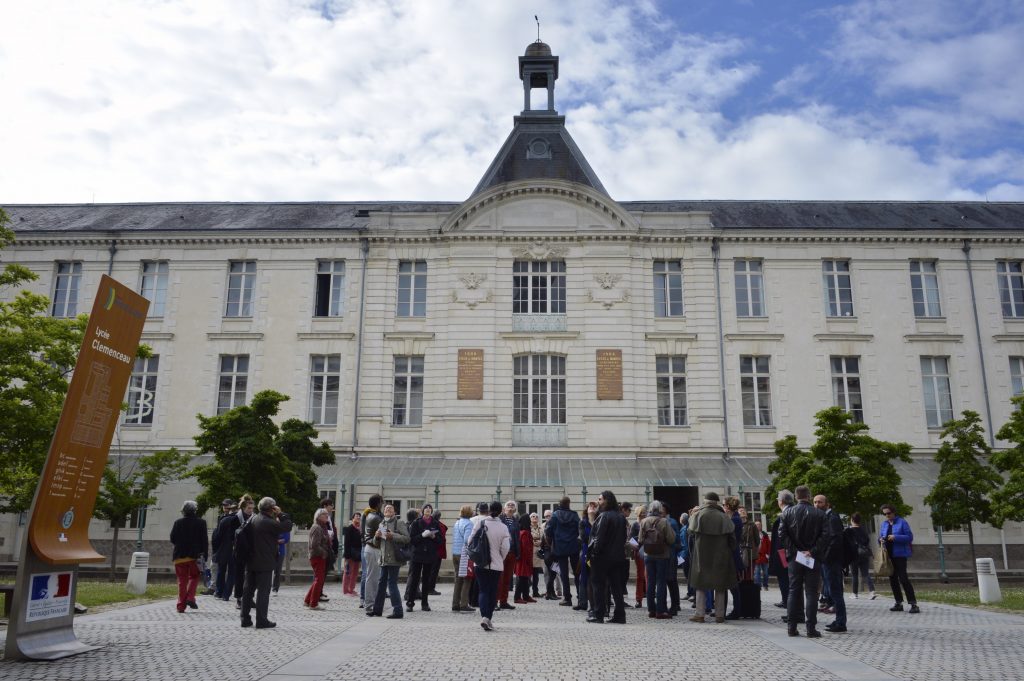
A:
896,538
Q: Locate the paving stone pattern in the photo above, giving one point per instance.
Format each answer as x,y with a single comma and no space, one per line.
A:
536,641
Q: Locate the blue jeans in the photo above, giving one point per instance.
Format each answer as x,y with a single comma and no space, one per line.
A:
389,581
657,576
832,574
761,574
487,583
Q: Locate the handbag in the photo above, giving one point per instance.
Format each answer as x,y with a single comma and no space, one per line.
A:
883,563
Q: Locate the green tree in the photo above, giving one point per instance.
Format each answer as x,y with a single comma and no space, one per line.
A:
37,352
129,483
961,494
250,452
1008,500
854,470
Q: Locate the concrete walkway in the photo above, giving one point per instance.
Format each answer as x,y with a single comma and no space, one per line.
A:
536,641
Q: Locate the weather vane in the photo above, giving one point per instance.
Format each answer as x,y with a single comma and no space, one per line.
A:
538,27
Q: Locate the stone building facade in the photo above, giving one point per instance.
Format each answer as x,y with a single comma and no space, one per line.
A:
541,338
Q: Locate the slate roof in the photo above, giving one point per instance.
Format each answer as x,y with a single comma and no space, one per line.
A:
313,216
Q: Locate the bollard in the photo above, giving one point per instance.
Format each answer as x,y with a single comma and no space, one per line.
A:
138,572
988,583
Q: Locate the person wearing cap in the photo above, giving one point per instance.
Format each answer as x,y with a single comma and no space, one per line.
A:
188,535
712,542
222,540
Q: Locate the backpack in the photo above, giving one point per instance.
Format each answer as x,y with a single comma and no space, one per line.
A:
652,538
479,547
243,539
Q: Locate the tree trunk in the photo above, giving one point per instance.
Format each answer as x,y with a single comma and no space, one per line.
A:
113,555
974,558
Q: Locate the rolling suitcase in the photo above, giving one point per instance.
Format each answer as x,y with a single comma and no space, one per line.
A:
750,600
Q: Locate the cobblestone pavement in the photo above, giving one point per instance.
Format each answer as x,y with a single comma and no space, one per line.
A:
536,641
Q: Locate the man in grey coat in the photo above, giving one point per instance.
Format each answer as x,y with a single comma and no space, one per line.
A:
264,530
712,542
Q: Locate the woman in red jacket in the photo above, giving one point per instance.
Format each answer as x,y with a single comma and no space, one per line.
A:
524,563
763,554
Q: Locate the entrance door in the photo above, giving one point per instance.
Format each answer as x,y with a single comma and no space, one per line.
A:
679,499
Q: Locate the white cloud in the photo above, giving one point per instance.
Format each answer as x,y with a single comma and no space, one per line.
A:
407,100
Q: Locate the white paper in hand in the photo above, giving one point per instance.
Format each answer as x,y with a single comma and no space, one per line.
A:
806,561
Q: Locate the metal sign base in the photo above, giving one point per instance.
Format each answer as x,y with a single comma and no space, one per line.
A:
51,637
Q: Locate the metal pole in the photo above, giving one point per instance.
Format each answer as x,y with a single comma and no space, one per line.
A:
942,551
142,524
437,494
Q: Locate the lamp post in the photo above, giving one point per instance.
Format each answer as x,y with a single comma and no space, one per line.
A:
942,549
142,525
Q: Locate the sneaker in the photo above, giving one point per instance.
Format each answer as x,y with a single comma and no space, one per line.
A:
914,610
896,608
485,624
873,595
324,599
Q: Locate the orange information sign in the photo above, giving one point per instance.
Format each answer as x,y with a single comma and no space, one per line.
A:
59,527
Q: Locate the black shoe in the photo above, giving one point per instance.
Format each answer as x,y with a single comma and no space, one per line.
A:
639,604
813,633
409,605
394,616
567,601
733,615
896,608
246,622
425,607
621,619
550,597
371,613
467,609
192,604
266,625
914,610
780,605
536,594
506,606
595,620
434,593
835,628
579,606
792,631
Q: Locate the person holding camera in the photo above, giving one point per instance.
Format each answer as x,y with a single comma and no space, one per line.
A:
425,534
265,529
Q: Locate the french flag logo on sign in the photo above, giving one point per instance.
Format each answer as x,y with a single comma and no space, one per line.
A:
46,587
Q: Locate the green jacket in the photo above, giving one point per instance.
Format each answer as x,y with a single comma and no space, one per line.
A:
399,535
712,542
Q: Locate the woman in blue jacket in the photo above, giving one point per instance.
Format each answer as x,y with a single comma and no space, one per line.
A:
897,538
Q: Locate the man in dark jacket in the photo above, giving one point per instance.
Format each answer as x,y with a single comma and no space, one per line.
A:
245,510
221,546
188,534
562,533
802,531
605,554
263,530
775,566
833,562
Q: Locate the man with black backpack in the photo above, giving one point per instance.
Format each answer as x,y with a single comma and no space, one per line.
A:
488,546
562,533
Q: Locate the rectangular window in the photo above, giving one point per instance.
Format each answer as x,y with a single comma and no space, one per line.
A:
538,394
407,409
1017,375
846,386
324,384
671,377
412,288
755,390
154,286
538,287
938,402
668,288
233,382
749,288
65,289
752,502
241,283
330,288
1011,287
924,285
142,391
838,290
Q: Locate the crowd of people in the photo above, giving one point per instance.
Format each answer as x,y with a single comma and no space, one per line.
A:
502,559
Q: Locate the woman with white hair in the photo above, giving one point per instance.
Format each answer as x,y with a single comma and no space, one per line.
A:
190,544
319,548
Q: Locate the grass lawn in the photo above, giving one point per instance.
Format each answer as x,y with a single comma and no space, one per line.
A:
92,593
962,594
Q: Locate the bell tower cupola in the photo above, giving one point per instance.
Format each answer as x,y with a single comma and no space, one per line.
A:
538,69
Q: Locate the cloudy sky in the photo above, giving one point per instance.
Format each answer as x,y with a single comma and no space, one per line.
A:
277,100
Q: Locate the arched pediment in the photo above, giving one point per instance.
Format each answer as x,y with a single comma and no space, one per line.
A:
539,206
